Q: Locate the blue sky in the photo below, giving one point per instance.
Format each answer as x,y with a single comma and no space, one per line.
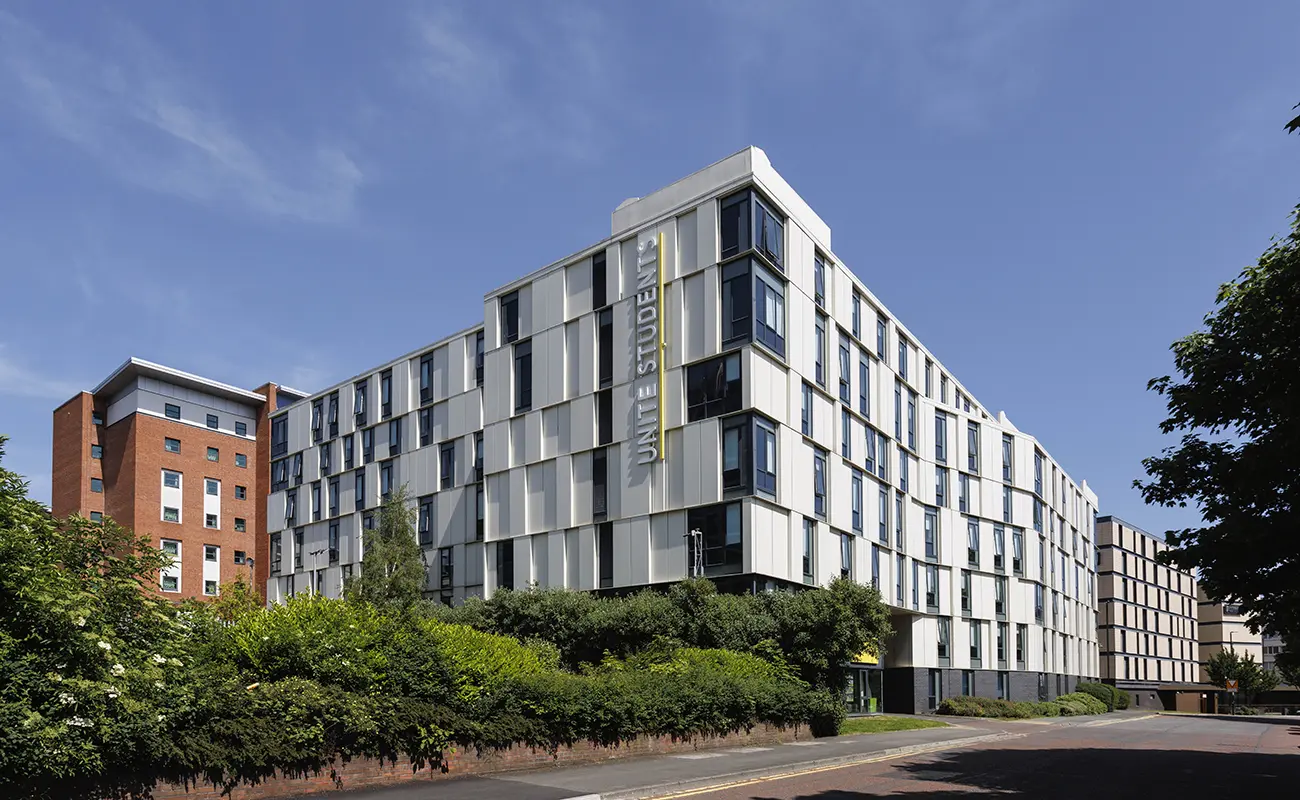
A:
1047,193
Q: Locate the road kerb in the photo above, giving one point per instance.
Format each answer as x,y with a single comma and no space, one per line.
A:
664,791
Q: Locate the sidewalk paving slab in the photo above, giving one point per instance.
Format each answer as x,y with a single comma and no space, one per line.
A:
652,776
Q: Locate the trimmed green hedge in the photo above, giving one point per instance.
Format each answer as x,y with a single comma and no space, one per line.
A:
1109,695
1067,705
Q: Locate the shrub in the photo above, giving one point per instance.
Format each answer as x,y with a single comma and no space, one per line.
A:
1081,703
1102,691
1046,709
966,706
1121,699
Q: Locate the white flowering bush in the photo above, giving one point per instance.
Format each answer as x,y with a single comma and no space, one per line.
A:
79,705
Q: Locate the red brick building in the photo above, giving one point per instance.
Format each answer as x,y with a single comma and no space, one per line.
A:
175,457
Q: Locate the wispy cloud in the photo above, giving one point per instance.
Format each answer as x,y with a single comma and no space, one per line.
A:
533,84
130,108
962,66
19,380
955,66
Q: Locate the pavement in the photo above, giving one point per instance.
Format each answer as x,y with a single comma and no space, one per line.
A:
1147,756
702,771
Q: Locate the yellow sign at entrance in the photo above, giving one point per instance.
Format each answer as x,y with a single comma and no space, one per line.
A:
866,657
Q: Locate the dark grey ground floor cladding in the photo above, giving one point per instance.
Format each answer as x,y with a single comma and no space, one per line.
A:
908,690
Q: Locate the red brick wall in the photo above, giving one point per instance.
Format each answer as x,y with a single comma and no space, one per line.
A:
145,444
70,470
364,773
261,544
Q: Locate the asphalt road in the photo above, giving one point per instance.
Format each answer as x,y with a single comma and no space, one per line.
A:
1188,758
1116,756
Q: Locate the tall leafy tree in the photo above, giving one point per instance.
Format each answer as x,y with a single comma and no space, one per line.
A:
1236,403
1252,679
392,566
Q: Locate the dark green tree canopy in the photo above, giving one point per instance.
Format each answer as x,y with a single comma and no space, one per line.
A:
1236,402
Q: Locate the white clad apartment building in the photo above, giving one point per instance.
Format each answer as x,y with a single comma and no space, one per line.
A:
709,388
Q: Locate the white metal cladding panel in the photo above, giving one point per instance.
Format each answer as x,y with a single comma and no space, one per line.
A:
582,488
523,561
548,300
496,447
625,550
582,416
624,336
541,573
440,378
838,509
465,413
667,547
688,246
668,256
673,402
582,361
498,509
572,558
532,437
706,233
457,514
548,367
626,285
550,444
766,383
557,571
527,326
577,282
690,332
518,445
586,550
541,496
573,363
517,486
709,479
474,556
639,561
405,390
492,323
564,491
498,399
712,311
764,533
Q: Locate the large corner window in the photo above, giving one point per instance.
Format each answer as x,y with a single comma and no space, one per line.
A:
749,455
748,222
753,306
713,387
720,538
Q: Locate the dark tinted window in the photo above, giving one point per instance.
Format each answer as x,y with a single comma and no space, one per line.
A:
510,317
599,279
721,538
713,387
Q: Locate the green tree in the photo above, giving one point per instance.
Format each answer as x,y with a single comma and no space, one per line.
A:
236,599
89,664
1238,460
1252,679
392,565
